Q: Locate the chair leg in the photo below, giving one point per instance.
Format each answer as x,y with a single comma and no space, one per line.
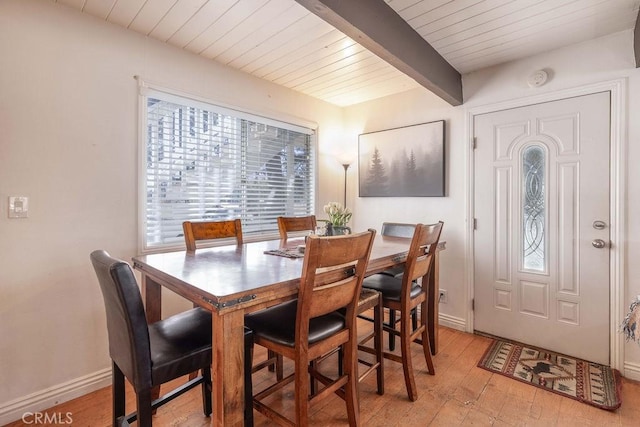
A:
117,393
351,388
426,346
143,402
407,363
206,392
378,313
279,367
392,323
313,382
302,391
270,355
414,319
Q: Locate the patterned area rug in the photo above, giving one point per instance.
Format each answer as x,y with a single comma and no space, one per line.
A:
587,382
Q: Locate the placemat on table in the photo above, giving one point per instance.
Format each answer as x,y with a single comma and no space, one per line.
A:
286,252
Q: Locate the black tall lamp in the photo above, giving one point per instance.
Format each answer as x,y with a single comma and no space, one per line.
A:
345,166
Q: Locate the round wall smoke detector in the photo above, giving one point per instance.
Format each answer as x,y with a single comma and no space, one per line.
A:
537,78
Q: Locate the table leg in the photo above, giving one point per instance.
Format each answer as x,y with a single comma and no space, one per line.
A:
433,297
228,368
152,296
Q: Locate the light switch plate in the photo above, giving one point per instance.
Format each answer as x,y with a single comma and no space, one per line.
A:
18,207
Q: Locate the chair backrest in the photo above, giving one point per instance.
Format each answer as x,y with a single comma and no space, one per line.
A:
397,229
332,274
209,230
287,224
420,257
127,328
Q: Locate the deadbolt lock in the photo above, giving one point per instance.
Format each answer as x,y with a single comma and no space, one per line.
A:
599,225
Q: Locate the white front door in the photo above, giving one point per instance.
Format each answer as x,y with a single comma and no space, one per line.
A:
542,208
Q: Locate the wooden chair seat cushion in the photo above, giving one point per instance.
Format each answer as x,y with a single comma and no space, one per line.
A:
278,324
180,344
390,287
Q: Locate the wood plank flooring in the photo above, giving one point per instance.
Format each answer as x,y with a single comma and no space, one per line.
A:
460,394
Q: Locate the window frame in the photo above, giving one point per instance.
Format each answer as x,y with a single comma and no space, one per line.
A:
148,90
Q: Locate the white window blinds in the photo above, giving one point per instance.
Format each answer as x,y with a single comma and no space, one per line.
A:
205,162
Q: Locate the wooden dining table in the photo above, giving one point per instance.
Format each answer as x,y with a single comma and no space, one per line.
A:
234,280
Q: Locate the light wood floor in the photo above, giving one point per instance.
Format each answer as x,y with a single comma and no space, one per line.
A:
459,394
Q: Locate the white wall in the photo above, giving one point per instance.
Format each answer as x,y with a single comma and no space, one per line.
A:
409,108
588,63
69,141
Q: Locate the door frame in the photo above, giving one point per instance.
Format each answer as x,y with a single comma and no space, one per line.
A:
618,187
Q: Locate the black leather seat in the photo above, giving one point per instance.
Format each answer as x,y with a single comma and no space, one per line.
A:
150,355
390,287
278,324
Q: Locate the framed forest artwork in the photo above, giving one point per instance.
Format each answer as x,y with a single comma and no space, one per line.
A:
402,162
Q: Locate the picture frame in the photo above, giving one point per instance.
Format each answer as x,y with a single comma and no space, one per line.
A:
406,161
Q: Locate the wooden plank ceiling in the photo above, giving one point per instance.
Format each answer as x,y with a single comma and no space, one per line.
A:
283,42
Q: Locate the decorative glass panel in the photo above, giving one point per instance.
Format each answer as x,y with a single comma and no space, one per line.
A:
533,199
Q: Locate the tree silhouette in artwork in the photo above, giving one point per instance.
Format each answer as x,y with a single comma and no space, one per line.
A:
377,178
411,171
411,175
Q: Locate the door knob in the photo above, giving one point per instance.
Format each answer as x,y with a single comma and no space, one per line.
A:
598,243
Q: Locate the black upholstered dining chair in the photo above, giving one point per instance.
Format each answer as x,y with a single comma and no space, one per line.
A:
406,293
151,355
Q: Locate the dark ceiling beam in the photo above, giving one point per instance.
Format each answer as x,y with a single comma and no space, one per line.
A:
377,27
636,40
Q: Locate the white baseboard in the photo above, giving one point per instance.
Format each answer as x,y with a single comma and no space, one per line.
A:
452,322
44,399
631,371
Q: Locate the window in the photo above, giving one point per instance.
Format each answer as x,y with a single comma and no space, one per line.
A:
533,208
205,162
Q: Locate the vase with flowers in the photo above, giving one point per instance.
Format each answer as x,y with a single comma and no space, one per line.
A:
339,216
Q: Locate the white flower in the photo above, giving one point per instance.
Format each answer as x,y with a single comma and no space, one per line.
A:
338,214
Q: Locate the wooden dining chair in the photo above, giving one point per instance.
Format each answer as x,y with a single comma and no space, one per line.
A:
307,328
408,293
210,230
397,229
287,224
149,355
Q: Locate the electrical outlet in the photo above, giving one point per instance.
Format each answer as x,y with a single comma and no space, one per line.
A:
443,297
